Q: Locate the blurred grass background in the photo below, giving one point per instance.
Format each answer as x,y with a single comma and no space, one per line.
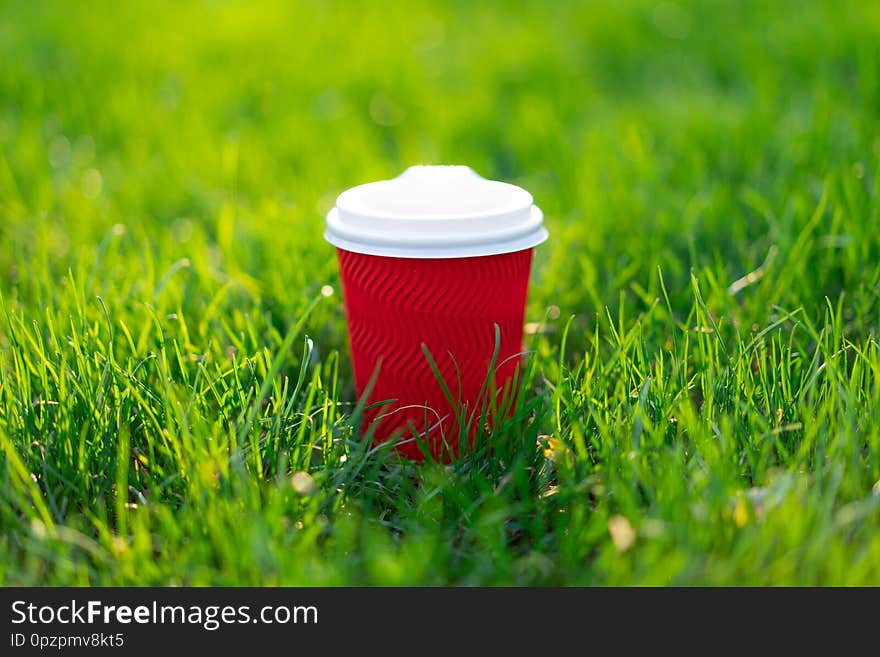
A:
176,160
651,133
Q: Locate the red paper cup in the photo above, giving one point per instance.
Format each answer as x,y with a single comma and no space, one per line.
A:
434,261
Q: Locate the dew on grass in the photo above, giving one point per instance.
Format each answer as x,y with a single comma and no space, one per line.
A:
92,183
325,203
38,529
59,152
303,483
182,229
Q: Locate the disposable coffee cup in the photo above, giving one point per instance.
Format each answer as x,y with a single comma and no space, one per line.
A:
430,263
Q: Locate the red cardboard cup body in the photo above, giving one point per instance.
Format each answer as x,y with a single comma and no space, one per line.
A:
398,307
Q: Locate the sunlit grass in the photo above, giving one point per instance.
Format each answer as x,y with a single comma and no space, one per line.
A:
699,405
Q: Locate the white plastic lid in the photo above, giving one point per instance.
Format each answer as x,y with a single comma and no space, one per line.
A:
435,212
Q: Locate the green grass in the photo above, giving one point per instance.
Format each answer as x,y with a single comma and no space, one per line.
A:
702,404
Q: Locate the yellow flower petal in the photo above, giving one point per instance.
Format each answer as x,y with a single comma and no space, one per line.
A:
622,533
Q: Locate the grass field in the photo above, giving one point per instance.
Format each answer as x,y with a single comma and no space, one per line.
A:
702,401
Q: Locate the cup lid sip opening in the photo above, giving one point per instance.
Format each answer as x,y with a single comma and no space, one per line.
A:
435,212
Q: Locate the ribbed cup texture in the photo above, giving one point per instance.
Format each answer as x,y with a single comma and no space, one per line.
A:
394,305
